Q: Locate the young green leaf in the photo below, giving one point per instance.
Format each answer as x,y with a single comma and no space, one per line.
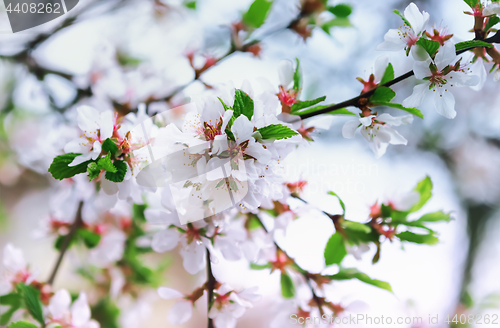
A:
254,266
434,217
14,301
388,74
352,273
275,132
305,104
32,301
106,313
257,13
109,146
22,324
429,45
413,111
90,239
93,170
397,12
340,111
60,168
335,250
472,3
119,175
106,164
424,188
356,226
340,201
411,237
492,21
297,77
382,94
190,5
287,286
336,22
340,10
243,105
226,107
472,44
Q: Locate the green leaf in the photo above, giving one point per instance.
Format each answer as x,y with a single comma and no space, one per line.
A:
340,111
287,286
106,164
413,111
109,146
60,168
60,240
254,266
90,239
243,105
93,171
226,107
424,188
257,13
336,22
32,301
22,324
138,212
352,273
435,217
305,104
335,250
190,5
429,45
382,94
356,226
13,300
472,44
119,175
106,313
397,12
340,10
411,237
297,77
472,3
492,21
276,132
340,201
388,74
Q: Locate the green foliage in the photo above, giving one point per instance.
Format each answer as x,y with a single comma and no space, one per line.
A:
382,94
257,13
105,163
89,238
138,212
356,226
126,60
340,111
492,21
305,104
472,3
424,188
254,266
388,74
335,250
119,175
243,105
340,10
109,146
435,217
14,301
340,201
397,12
352,273
275,132
336,22
429,239
473,43
429,45
22,324
297,77
60,168
287,286
106,313
413,111
93,171
32,302
190,4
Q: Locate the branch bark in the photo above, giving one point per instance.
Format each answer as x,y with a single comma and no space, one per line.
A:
210,289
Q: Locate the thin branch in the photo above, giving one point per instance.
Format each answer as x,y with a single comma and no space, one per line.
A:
67,242
210,288
357,101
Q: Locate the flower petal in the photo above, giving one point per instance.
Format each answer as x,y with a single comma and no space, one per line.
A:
286,72
417,96
80,311
165,240
169,293
445,103
349,129
180,313
392,41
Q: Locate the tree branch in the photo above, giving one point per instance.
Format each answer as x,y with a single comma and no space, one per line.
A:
210,289
67,242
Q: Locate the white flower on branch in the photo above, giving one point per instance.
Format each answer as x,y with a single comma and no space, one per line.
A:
76,315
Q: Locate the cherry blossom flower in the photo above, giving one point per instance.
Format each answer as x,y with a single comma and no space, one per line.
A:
15,269
441,75
182,311
407,35
67,315
378,131
287,96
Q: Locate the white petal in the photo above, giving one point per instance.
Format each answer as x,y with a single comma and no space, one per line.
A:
396,138
242,129
395,121
492,9
169,293
80,311
180,313
417,96
421,69
96,150
78,146
106,125
109,187
392,41
80,159
349,129
445,103
193,256
415,18
419,53
286,72
59,303
13,258
87,120
380,66
367,121
165,240
257,151
446,55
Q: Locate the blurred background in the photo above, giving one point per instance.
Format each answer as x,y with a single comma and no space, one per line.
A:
152,41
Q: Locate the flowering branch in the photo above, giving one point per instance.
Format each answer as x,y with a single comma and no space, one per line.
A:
210,289
362,99
67,242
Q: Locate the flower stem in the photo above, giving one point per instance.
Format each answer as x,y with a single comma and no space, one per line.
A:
210,289
67,242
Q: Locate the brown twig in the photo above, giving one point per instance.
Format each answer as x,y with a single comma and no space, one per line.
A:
210,288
